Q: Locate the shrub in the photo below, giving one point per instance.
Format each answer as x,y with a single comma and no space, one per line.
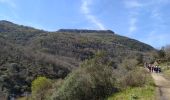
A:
129,64
39,88
92,81
134,78
162,53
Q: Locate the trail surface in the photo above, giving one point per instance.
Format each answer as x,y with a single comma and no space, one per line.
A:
163,86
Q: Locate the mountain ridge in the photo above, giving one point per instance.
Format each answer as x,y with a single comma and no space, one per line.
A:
84,31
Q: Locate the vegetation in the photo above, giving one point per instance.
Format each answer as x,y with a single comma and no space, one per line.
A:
27,53
139,86
136,93
164,60
165,67
39,88
162,53
93,80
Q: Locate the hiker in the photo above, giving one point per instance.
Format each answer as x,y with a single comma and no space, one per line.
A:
153,68
145,64
149,67
156,69
159,69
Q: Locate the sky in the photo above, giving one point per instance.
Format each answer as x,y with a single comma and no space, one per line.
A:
145,20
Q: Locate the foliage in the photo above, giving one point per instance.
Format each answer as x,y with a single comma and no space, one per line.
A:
167,51
129,64
165,68
39,88
92,81
134,78
151,56
140,59
162,53
137,93
27,53
144,87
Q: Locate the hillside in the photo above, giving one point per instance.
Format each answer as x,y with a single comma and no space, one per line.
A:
17,33
27,52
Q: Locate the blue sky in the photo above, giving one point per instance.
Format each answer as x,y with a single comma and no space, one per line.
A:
144,20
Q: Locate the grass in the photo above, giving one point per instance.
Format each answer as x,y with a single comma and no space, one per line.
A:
165,66
166,69
22,98
167,72
136,93
146,92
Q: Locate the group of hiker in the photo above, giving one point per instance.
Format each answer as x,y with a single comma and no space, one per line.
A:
153,68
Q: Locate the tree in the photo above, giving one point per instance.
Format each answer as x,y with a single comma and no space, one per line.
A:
140,59
92,81
167,51
39,87
162,53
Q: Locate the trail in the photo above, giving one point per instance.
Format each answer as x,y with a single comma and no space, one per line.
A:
163,86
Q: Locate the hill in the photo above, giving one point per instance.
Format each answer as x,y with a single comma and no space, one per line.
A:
84,31
27,52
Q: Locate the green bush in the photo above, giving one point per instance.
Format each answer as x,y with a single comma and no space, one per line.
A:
129,64
134,78
92,81
40,87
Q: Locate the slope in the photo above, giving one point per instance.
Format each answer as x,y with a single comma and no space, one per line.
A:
27,53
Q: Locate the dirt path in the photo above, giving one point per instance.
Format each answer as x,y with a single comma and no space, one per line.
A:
163,86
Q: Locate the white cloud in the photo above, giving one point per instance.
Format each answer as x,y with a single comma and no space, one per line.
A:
9,3
132,4
156,39
156,10
157,28
84,6
162,1
155,13
86,11
153,6
133,26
